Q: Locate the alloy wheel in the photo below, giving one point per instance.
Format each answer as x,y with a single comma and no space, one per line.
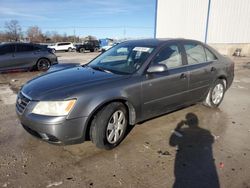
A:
115,127
217,93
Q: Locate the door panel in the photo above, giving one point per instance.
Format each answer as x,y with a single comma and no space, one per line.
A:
201,77
25,56
162,92
7,60
201,70
25,59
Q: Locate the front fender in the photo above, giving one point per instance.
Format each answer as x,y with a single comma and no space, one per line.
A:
127,91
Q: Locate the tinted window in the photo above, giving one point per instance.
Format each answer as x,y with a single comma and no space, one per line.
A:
61,44
170,56
66,43
195,53
5,49
36,48
210,55
24,48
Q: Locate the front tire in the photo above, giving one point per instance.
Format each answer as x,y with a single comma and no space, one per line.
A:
108,128
70,50
82,50
215,94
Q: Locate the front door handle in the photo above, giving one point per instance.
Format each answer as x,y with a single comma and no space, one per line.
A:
183,76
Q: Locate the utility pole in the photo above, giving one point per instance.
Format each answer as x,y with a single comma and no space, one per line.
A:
74,35
207,23
124,32
155,24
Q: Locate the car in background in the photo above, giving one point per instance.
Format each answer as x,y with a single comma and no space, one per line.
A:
15,56
62,46
91,45
130,83
105,48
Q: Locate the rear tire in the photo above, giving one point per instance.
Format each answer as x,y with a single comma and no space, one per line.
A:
43,64
215,94
108,128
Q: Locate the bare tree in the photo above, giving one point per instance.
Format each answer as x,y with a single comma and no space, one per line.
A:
35,34
90,37
13,30
3,37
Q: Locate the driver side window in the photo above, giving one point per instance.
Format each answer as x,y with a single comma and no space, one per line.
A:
169,56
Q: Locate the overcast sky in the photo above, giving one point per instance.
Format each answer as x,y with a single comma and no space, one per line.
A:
102,18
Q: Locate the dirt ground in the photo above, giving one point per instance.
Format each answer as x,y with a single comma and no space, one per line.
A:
213,149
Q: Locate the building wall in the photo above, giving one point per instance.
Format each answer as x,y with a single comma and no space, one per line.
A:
181,19
229,20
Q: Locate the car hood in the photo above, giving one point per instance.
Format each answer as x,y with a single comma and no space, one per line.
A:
56,85
62,66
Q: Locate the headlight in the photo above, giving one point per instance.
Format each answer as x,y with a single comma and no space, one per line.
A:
54,108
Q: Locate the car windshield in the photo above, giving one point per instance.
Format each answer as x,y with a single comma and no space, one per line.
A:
122,59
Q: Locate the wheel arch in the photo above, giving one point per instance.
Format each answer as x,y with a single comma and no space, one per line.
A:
129,107
43,58
224,79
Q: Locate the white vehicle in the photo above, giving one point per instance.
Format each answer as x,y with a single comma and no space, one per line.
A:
62,46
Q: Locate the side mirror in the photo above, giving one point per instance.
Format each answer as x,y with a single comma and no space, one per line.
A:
157,68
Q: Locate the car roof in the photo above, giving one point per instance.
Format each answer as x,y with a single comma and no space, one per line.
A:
29,43
157,41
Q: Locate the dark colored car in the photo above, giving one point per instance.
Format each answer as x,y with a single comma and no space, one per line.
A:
91,45
25,56
132,82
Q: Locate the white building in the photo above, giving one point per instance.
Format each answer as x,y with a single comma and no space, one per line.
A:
225,24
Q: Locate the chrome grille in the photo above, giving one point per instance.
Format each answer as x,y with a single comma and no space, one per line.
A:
22,102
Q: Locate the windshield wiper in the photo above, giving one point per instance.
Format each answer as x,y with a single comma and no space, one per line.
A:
100,69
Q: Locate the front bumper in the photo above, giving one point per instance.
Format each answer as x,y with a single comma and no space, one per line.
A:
58,130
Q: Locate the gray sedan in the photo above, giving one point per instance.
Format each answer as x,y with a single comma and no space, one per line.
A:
132,82
23,56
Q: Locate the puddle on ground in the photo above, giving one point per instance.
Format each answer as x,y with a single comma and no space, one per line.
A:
7,96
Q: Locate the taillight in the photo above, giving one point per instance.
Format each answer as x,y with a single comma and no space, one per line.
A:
50,50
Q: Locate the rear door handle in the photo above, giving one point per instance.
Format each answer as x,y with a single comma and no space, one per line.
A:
183,76
213,69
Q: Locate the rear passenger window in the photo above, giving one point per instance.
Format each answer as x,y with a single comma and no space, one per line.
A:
24,48
195,53
170,56
210,55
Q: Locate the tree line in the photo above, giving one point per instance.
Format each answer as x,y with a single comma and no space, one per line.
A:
13,32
